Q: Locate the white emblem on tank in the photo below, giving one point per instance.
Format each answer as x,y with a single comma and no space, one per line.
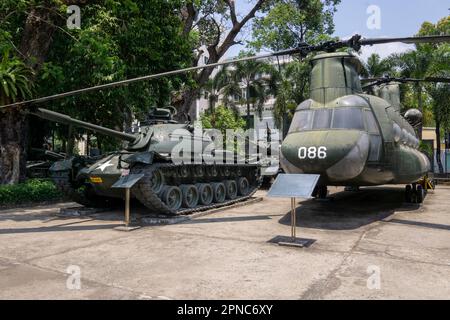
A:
105,165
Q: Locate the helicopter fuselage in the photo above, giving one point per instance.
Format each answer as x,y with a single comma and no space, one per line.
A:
348,137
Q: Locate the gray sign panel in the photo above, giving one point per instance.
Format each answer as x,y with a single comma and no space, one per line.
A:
293,186
127,181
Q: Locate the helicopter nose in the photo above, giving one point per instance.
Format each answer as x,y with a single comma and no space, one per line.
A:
339,154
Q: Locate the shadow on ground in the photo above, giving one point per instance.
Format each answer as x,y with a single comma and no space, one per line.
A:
350,210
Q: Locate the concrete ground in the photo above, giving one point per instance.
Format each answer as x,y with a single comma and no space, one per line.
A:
367,245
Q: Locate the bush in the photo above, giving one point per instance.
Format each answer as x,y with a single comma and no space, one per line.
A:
34,190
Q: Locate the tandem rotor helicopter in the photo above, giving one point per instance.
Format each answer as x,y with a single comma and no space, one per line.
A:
347,136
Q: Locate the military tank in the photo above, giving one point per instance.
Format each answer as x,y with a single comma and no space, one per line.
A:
192,183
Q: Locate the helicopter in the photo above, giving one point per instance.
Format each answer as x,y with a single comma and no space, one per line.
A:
348,137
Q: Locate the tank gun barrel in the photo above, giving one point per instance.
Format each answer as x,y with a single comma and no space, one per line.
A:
65,119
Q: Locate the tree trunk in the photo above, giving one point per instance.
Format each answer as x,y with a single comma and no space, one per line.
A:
38,34
35,43
13,146
438,147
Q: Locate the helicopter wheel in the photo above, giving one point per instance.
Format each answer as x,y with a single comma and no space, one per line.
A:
420,194
322,192
408,194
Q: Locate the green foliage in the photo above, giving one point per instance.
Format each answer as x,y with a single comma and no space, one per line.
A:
287,23
426,148
34,190
222,119
290,85
428,60
117,40
254,76
14,79
377,67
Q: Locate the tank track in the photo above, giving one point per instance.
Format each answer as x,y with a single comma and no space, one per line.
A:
144,193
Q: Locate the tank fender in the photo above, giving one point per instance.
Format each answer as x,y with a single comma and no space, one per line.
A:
62,165
66,169
140,157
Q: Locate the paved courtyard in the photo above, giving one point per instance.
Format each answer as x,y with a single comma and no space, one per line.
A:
367,245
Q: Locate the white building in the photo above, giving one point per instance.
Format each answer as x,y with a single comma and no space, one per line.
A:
202,104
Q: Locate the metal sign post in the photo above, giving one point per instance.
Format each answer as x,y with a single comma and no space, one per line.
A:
127,182
292,186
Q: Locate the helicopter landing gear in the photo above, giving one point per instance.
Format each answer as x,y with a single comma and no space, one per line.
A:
414,193
320,192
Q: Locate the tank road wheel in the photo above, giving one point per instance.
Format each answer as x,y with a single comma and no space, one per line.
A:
408,194
219,192
231,188
205,192
172,197
243,186
190,195
157,181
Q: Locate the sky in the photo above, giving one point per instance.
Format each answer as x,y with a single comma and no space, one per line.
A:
397,18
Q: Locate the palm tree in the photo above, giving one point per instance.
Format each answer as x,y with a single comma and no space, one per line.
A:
440,95
254,76
14,79
214,87
415,64
377,67
15,84
289,85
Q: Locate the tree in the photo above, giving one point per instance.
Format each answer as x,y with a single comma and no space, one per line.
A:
430,60
213,17
222,118
118,40
215,85
377,67
254,76
290,84
14,85
288,23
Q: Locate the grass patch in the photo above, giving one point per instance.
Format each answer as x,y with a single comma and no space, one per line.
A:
31,191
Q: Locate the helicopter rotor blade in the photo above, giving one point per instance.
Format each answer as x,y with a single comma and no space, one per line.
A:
148,77
382,80
303,50
407,40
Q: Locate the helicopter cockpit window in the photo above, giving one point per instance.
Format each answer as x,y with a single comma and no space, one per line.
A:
348,118
322,119
375,147
371,123
301,121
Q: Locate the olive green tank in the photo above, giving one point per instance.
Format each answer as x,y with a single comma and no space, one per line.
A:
167,187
